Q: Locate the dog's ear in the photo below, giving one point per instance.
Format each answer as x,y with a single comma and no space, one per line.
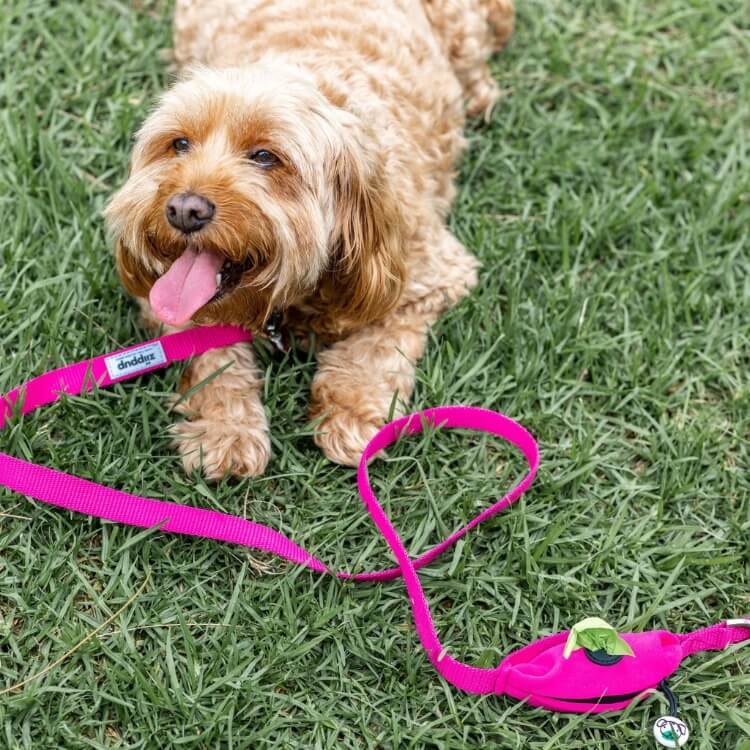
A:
368,262
121,217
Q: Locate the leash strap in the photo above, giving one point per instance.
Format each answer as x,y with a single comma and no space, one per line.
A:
73,493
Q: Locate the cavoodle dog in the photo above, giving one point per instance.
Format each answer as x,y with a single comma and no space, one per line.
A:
301,171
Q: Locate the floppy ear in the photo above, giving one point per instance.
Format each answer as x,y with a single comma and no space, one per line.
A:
369,269
122,216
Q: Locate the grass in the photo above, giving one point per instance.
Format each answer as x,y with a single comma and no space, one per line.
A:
609,200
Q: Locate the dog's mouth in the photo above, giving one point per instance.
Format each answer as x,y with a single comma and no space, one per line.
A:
195,279
229,277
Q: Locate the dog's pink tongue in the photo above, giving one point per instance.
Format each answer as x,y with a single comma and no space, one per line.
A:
189,283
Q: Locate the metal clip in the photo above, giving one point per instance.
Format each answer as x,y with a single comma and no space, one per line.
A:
274,331
739,622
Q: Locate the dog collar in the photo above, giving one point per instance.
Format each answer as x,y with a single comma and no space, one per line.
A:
538,673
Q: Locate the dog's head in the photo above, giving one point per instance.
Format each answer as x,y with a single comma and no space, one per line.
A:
248,190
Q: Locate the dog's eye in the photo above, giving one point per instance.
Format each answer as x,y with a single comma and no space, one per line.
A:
264,158
180,145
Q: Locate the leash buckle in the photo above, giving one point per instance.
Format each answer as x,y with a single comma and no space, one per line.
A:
274,331
739,622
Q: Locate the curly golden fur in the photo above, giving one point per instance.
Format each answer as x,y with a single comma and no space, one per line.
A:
363,105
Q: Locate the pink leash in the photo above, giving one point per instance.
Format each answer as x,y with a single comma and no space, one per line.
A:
537,673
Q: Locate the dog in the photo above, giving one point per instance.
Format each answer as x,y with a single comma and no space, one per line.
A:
301,169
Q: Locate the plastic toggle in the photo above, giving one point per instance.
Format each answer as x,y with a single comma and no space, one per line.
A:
669,731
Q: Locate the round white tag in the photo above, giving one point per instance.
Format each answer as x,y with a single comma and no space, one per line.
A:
670,731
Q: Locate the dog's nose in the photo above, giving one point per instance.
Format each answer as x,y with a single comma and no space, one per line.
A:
188,212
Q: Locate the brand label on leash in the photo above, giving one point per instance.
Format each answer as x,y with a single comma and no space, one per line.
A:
134,360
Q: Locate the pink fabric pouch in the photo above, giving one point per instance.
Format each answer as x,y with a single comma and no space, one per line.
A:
540,674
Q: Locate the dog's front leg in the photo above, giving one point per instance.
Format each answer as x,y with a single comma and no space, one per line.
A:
225,430
360,377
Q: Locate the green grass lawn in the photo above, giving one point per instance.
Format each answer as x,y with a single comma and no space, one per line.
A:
609,200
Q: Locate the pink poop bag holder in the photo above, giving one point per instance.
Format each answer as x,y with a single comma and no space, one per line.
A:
586,681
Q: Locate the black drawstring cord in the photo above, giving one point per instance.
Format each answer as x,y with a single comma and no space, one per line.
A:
671,697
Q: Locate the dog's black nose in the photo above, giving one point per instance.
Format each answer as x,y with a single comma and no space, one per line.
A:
188,212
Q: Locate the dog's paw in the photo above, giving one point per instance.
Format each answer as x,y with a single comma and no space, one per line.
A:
482,96
342,435
221,448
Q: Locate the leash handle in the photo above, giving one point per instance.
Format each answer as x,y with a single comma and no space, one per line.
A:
512,676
